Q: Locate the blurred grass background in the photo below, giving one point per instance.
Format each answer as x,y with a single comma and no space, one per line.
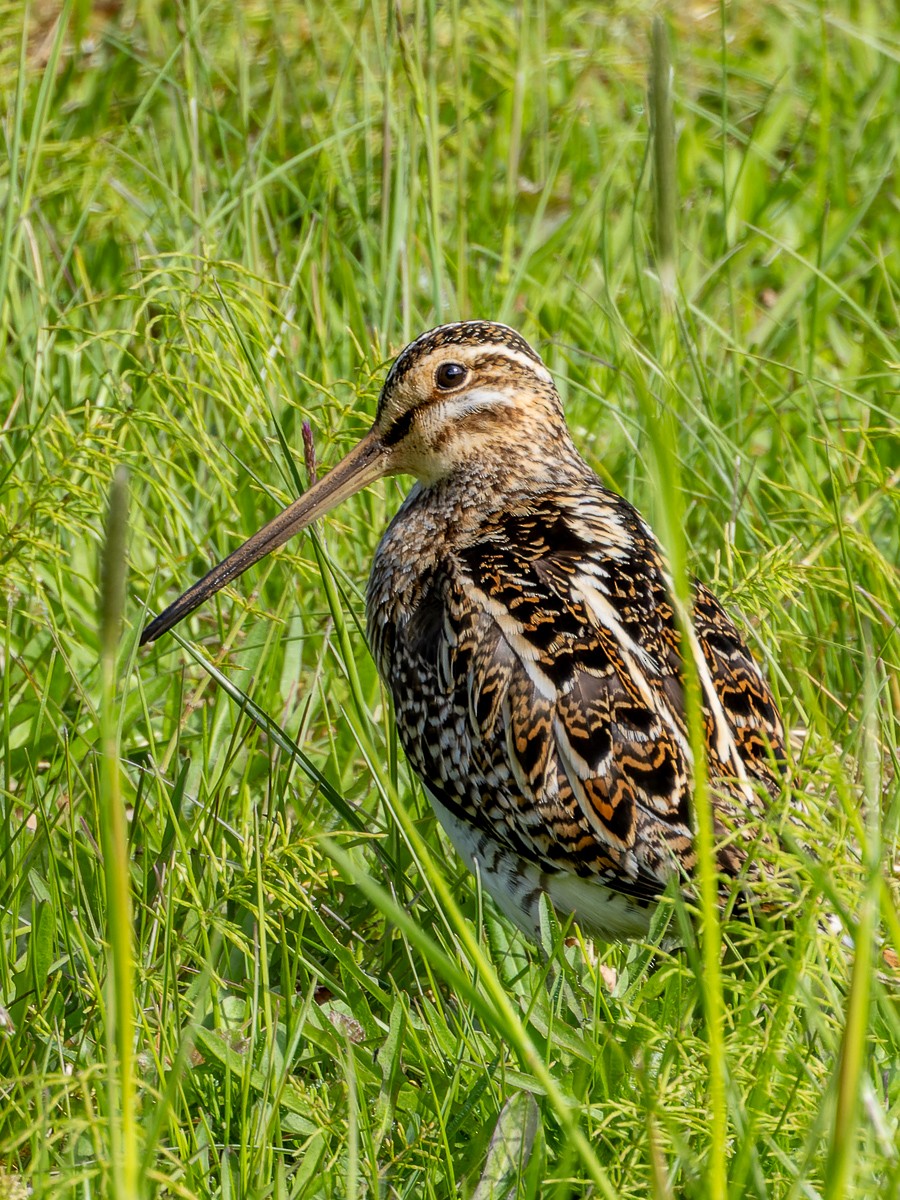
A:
219,221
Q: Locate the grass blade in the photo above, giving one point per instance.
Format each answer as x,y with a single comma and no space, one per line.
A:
120,1024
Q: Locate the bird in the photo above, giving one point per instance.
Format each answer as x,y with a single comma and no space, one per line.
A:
521,616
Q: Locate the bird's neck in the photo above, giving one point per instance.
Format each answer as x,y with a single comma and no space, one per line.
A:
505,477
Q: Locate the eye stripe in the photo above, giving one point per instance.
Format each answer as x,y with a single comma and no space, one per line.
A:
399,429
476,400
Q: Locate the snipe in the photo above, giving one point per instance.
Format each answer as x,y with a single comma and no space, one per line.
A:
519,613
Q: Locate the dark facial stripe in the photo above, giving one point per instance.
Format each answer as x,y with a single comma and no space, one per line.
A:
400,428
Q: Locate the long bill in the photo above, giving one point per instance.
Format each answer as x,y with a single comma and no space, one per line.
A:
365,463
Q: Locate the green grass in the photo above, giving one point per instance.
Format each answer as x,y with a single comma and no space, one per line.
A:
219,222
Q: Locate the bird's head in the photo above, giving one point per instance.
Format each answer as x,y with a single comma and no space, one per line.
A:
461,397
464,394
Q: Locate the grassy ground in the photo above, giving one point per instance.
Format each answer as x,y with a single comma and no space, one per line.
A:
219,221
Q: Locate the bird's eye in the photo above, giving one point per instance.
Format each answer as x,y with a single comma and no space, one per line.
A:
450,375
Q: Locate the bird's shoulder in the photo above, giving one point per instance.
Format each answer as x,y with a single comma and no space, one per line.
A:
575,580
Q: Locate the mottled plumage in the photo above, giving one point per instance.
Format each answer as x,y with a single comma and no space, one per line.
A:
520,616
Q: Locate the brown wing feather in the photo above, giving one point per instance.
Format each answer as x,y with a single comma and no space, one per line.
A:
548,642
742,691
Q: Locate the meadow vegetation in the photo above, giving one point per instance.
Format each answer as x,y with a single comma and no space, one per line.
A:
237,957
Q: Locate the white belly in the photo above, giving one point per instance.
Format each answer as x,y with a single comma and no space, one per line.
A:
516,886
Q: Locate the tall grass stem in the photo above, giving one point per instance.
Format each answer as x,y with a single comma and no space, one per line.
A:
120,1020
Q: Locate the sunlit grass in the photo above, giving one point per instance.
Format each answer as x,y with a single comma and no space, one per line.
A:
219,223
